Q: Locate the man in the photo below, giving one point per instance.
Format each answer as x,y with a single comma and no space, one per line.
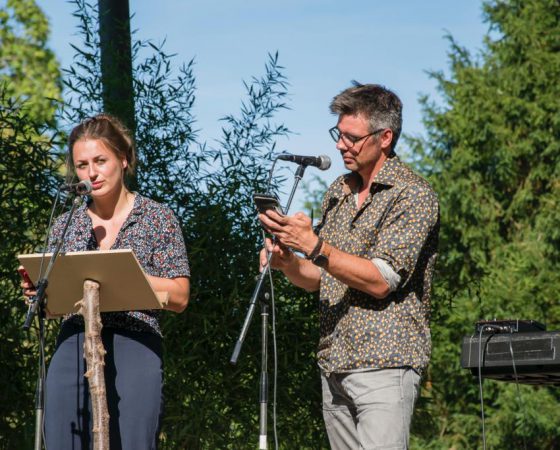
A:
372,261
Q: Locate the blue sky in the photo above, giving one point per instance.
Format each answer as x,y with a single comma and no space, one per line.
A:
322,44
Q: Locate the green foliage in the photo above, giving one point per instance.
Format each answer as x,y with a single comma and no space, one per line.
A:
209,404
27,175
216,404
492,153
29,71
168,167
314,191
29,88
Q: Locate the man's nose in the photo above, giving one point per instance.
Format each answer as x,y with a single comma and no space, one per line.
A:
340,145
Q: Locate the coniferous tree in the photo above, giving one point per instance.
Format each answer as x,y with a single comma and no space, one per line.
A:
493,155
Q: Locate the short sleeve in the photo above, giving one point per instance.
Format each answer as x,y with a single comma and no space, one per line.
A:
406,229
169,258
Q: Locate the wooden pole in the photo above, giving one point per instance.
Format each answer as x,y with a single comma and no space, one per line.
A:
94,353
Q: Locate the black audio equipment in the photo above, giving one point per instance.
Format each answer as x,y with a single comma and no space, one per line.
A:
526,357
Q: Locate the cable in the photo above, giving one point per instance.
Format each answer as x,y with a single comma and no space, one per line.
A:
274,348
43,375
40,330
520,403
46,240
274,341
269,181
275,359
494,329
480,385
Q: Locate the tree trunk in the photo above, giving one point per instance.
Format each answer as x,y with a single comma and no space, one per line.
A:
94,353
116,64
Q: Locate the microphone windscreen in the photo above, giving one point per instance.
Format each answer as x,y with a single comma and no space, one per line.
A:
325,162
84,187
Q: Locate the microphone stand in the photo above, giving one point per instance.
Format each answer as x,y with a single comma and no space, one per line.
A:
263,383
37,307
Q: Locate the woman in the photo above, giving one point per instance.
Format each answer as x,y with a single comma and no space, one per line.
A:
101,150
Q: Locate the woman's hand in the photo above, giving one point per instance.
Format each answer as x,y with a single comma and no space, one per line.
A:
177,288
26,284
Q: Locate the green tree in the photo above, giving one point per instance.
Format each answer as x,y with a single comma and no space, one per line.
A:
314,191
493,155
27,183
29,89
215,404
209,403
29,70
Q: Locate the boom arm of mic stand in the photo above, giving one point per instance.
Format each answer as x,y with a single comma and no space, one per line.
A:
237,350
39,298
250,312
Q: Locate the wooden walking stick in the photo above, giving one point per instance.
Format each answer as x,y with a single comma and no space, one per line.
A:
94,353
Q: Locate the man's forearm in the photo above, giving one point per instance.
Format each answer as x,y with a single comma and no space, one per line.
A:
355,272
303,274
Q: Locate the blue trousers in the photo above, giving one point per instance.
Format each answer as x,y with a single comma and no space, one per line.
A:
133,379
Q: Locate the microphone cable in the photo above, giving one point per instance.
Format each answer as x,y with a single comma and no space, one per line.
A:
273,324
40,329
269,181
274,357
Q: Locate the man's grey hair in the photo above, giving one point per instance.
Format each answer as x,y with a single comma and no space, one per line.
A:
381,107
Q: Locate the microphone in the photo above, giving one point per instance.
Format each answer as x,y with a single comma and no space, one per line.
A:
322,162
83,187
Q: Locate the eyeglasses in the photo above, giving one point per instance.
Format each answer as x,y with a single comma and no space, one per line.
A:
348,139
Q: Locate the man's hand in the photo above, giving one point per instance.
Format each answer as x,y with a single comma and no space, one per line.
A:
282,256
295,231
292,233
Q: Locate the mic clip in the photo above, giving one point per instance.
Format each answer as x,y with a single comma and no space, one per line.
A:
83,187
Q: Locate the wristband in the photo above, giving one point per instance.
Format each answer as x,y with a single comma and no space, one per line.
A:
316,249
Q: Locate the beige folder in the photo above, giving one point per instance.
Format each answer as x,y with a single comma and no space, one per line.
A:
124,285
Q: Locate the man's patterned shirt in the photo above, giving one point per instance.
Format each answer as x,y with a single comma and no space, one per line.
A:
152,231
398,223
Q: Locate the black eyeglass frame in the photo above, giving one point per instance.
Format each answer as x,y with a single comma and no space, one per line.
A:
349,140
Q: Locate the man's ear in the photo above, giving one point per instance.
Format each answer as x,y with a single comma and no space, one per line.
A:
386,140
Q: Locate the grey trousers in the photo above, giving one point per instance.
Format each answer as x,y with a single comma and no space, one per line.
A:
369,410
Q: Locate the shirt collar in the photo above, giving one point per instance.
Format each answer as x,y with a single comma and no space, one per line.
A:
390,172
389,175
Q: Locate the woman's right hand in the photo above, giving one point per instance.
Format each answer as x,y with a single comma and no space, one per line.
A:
26,284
